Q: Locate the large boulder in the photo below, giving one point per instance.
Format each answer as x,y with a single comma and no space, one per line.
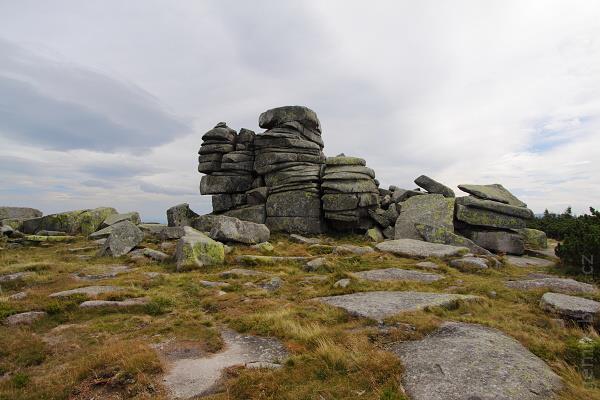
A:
294,203
442,235
180,215
420,249
534,239
495,192
123,238
256,213
571,307
433,186
72,222
432,210
231,229
481,217
280,115
498,241
217,184
112,219
195,249
19,213
463,361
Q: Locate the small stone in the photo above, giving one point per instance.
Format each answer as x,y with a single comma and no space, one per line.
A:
155,254
342,283
469,263
304,240
556,284
18,296
352,249
13,277
315,264
123,238
264,247
250,259
374,235
213,284
273,284
140,301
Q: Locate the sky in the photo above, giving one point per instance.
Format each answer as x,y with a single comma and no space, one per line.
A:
104,103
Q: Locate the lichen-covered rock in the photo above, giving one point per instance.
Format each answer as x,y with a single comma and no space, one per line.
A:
19,213
374,235
433,210
256,213
495,192
112,219
82,222
231,229
467,264
280,115
534,239
481,217
571,307
442,235
491,205
123,238
433,186
195,249
217,184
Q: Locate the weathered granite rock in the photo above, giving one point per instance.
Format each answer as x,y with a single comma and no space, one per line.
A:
280,115
133,217
433,186
420,249
427,265
251,259
235,272
264,247
498,241
344,160
90,291
570,307
139,301
534,239
257,196
401,195
19,213
352,249
561,285
195,249
397,274
231,229
481,217
155,254
304,240
26,318
14,276
381,305
527,261
97,272
433,210
469,263
495,192
495,206
82,222
342,283
224,202
374,235
43,238
180,215
256,213
315,264
122,239
442,235
217,184
463,361
294,203
302,225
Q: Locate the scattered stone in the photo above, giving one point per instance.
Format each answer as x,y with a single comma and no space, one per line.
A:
374,235
195,249
481,217
420,249
304,240
380,305
467,264
463,361
534,239
81,249
495,206
124,237
232,273
432,210
427,265
139,301
155,254
273,284
18,296
315,264
76,222
213,284
264,247
180,215
26,318
39,238
98,272
576,308
19,213
90,291
526,261
231,229
433,186
199,376
342,283
352,249
14,276
498,241
397,274
112,219
152,275
555,284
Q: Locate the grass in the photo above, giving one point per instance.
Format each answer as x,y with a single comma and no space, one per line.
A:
107,353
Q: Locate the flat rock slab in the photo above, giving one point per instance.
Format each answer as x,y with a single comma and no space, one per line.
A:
556,284
14,277
190,377
91,291
380,305
240,272
420,249
397,274
465,361
98,272
26,318
526,261
571,307
140,301
352,249
267,260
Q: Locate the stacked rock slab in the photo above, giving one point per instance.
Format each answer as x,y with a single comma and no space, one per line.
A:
492,218
350,193
227,159
289,156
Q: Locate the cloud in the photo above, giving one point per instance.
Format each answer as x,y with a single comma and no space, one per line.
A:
63,106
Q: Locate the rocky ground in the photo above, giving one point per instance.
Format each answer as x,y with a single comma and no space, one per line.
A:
338,319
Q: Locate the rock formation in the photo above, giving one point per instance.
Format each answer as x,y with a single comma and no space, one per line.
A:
281,178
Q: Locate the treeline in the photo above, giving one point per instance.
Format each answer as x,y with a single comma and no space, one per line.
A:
579,250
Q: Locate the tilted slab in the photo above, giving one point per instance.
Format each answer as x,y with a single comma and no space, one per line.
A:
381,305
463,361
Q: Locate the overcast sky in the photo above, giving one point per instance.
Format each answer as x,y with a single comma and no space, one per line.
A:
105,102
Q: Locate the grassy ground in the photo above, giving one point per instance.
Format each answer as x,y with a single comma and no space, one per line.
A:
79,354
